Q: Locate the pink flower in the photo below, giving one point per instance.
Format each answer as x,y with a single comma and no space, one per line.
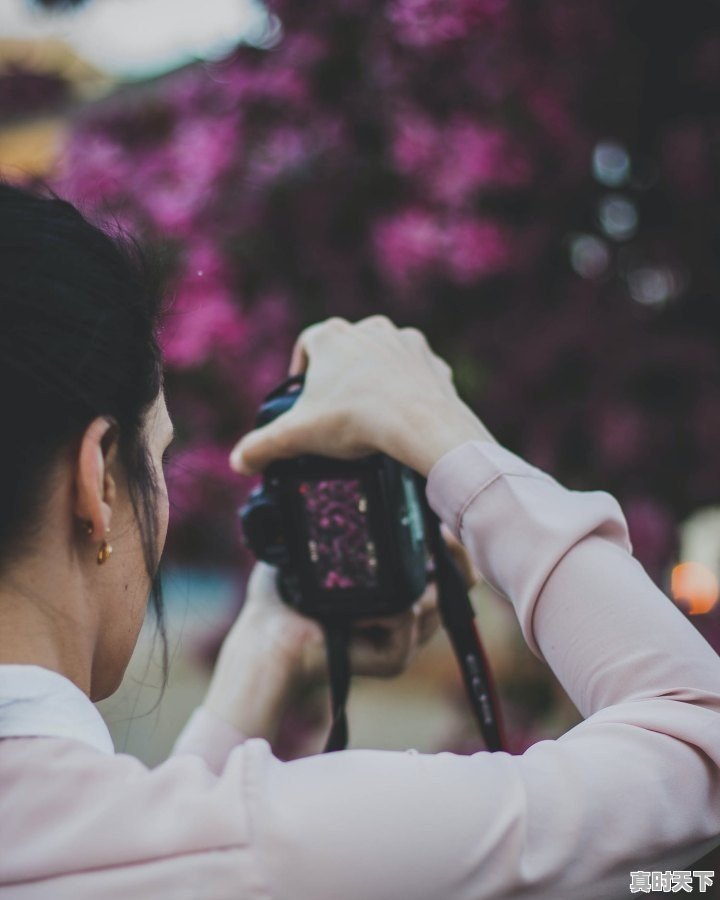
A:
261,361
461,158
475,249
427,23
204,319
204,147
414,142
176,181
414,243
281,84
304,49
408,244
282,151
94,169
191,474
478,157
551,102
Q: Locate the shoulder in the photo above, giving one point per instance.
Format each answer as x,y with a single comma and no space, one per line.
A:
65,806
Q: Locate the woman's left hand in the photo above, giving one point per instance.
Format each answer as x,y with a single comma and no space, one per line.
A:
272,652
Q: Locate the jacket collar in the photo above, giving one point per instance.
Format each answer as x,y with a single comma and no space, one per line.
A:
37,702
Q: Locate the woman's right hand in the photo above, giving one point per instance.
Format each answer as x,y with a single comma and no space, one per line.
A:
369,386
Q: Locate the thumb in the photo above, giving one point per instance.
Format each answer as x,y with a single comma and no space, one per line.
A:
259,447
460,556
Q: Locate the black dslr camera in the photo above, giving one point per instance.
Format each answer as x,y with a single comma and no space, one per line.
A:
349,539
354,539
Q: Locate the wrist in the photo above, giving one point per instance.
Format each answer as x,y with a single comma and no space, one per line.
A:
252,684
426,432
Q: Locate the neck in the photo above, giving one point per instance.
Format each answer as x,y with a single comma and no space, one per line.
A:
37,631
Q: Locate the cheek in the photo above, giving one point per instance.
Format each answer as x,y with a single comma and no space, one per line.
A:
163,516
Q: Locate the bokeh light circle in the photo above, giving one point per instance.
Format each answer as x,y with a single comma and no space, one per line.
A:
694,585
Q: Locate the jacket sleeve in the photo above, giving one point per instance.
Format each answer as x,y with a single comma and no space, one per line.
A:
634,786
209,737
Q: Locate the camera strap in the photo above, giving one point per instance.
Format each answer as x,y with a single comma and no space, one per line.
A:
459,620
337,643
458,617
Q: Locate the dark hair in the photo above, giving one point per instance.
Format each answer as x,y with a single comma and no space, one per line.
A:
79,311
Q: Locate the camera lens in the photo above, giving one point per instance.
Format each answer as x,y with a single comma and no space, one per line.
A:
262,528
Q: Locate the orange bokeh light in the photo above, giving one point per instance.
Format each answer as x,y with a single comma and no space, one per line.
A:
694,585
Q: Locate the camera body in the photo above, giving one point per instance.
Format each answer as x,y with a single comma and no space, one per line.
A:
350,538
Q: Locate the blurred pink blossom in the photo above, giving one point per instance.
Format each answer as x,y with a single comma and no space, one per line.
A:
204,319
282,84
415,142
195,473
426,23
177,180
408,244
474,156
260,362
103,173
460,158
414,243
283,150
475,249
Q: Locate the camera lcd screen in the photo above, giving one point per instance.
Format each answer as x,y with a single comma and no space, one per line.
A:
340,546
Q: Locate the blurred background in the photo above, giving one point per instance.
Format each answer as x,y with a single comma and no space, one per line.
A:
535,185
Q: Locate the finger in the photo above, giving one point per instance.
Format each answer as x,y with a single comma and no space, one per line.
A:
444,368
309,337
259,447
460,557
428,614
427,600
262,584
384,651
377,321
263,578
299,358
416,339
428,624
419,343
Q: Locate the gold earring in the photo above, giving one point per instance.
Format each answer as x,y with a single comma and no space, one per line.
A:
104,551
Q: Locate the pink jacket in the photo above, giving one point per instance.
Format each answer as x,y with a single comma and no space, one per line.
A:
635,786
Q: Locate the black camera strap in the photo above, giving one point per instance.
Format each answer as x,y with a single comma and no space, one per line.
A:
337,643
458,617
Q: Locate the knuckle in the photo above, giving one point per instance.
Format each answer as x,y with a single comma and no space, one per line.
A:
335,323
307,335
377,321
415,336
332,326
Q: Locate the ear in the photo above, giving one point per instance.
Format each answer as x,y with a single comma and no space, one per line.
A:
96,489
